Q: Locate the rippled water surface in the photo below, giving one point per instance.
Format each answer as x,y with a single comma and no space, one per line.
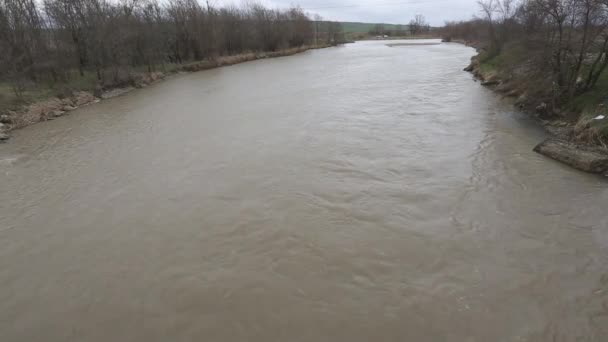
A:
359,193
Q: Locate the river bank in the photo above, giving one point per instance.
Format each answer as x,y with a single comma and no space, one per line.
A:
296,199
373,38
576,133
56,106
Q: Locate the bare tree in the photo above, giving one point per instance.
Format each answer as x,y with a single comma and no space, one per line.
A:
488,9
566,39
54,39
418,25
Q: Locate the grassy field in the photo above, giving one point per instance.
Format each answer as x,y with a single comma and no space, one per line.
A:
354,27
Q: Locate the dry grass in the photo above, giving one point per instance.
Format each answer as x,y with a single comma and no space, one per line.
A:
244,57
590,131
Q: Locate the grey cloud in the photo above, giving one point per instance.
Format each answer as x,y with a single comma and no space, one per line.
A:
387,11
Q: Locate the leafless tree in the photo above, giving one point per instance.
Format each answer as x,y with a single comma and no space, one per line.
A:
57,40
418,25
568,36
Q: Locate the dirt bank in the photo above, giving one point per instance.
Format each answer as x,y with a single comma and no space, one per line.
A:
55,107
570,142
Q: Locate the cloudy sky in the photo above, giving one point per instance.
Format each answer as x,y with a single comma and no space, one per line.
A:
386,11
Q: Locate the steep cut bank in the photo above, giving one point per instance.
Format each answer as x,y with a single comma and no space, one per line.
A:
57,106
578,127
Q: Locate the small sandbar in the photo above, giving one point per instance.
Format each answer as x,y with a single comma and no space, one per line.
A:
410,44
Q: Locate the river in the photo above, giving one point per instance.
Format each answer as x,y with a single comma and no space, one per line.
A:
357,193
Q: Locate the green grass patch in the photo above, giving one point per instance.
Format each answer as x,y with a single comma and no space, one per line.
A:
589,101
599,128
11,101
34,92
166,67
77,82
42,90
510,56
489,65
591,104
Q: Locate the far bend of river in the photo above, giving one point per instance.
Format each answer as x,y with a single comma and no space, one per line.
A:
359,193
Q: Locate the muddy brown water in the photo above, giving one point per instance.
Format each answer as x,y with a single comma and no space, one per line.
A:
359,193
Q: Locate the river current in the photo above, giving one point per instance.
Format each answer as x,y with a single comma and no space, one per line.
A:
358,193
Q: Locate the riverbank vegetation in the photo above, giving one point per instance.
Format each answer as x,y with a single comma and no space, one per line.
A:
56,47
418,27
550,54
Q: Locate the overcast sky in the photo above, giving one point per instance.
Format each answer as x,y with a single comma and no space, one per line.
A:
385,11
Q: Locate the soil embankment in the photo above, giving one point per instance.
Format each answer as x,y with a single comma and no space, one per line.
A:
55,107
571,142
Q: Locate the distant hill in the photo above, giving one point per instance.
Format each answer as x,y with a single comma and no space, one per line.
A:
353,27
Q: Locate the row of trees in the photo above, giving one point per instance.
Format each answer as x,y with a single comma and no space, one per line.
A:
53,40
418,25
382,30
567,39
